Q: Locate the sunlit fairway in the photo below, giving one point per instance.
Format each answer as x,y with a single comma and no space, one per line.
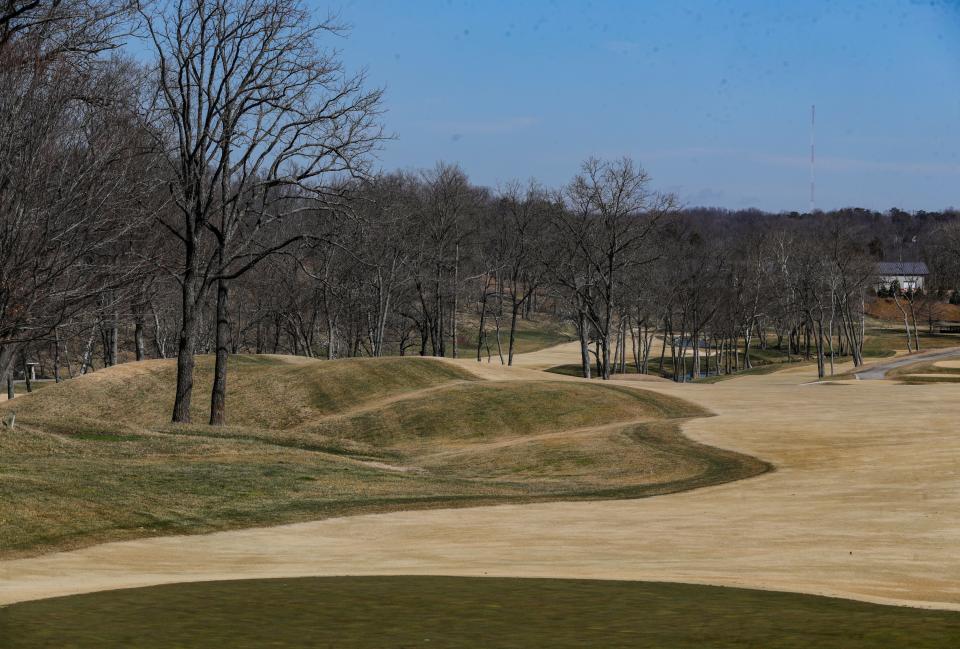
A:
386,612
95,458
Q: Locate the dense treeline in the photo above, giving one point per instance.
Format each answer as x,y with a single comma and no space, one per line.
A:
221,200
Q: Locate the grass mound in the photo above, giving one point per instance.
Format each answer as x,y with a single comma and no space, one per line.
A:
375,612
471,412
264,391
94,458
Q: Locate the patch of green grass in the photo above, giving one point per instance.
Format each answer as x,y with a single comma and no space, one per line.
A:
565,370
759,370
458,612
534,340
531,336
59,491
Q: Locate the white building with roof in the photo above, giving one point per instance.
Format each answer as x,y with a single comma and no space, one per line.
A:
909,275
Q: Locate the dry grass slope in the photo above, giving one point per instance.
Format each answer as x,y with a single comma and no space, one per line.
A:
95,459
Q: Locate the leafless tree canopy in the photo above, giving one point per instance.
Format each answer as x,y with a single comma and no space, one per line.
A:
70,176
222,199
256,117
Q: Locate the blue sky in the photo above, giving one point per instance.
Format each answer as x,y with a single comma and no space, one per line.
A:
713,98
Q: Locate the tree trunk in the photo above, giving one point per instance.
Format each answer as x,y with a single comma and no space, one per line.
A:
833,310
916,331
26,371
439,347
747,339
158,341
481,335
584,345
695,366
86,362
623,346
185,351
717,356
331,329
817,328
598,353
141,350
456,281
56,354
114,341
648,335
66,357
605,340
7,355
616,348
667,331
513,329
218,395
906,324
382,324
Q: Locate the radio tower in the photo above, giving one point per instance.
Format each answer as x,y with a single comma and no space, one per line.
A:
813,120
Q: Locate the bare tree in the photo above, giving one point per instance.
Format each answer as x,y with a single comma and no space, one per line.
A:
518,228
258,118
68,181
610,213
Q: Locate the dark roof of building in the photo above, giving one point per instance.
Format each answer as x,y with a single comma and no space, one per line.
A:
902,268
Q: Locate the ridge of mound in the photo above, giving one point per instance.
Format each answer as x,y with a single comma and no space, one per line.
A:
264,391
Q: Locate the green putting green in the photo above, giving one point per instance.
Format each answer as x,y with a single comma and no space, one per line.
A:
395,612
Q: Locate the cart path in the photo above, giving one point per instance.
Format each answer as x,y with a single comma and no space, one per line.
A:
879,370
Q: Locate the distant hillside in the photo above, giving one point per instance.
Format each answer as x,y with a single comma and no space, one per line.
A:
885,308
